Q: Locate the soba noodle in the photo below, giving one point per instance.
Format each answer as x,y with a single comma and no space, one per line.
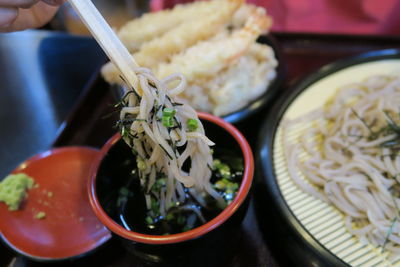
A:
163,149
349,156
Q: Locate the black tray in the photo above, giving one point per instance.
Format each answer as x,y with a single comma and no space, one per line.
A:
302,53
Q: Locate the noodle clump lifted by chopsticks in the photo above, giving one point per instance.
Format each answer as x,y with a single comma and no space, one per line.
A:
349,156
165,135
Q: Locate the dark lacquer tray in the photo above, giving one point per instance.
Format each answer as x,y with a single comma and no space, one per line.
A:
265,239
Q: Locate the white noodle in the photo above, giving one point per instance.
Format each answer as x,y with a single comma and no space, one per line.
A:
350,157
157,144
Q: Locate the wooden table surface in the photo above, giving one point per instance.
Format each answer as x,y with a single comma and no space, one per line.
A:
261,244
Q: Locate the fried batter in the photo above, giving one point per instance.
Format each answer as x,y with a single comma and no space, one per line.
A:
186,35
212,43
153,25
244,81
207,58
234,87
240,17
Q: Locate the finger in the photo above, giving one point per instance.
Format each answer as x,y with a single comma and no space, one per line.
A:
18,3
7,16
54,2
34,17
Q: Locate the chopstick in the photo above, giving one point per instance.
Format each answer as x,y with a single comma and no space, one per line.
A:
107,39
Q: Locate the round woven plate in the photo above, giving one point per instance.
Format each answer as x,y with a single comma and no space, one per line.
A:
319,225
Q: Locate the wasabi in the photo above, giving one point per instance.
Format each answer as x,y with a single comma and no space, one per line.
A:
13,189
40,215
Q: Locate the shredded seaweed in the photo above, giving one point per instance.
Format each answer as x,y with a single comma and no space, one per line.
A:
362,120
177,104
166,152
389,233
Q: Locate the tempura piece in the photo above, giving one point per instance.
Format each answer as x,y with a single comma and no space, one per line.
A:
153,25
209,57
234,87
186,35
243,81
240,17
179,38
217,53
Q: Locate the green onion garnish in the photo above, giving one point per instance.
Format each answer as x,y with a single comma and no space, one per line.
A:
140,163
167,121
154,205
170,216
220,185
169,112
149,220
192,124
222,168
168,117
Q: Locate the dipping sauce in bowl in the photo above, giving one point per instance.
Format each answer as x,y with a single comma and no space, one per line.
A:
111,174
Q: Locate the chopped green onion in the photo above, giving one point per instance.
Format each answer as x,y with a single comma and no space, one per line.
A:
162,181
141,164
229,191
225,172
168,121
168,117
40,215
170,216
159,184
154,206
192,124
169,112
222,168
220,185
216,163
233,186
149,220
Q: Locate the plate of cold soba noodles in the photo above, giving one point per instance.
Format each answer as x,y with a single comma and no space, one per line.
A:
331,157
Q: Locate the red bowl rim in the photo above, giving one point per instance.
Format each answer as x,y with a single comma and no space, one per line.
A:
191,234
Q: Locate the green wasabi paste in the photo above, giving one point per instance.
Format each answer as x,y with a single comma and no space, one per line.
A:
13,189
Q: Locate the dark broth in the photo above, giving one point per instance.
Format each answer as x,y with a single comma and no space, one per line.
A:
121,196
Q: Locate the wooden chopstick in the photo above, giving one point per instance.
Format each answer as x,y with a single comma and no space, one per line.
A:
107,39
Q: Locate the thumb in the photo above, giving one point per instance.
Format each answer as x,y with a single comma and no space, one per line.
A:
54,2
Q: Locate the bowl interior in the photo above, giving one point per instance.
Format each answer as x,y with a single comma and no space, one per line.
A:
116,167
